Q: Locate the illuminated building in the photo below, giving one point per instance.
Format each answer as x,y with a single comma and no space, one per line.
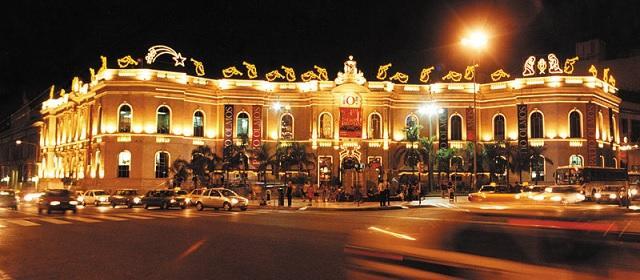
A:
126,126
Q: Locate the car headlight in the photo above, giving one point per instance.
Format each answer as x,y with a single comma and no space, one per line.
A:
634,191
598,195
136,200
613,196
172,200
538,197
102,199
234,201
556,198
188,200
54,203
580,197
517,196
73,202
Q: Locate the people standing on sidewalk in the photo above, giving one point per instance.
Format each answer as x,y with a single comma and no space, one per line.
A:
324,193
387,194
452,193
310,193
381,197
289,193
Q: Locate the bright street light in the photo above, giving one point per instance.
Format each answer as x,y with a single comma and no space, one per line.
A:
276,106
477,40
430,109
18,142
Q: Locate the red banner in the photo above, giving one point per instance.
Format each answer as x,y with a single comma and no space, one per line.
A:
350,123
471,125
256,139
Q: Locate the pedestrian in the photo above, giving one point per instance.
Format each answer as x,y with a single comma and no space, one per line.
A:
381,197
387,194
452,194
324,193
304,191
410,192
310,194
289,193
268,197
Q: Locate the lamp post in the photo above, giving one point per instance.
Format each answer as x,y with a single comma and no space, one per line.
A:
476,41
430,110
19,142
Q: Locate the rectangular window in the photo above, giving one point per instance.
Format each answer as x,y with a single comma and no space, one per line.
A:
123,171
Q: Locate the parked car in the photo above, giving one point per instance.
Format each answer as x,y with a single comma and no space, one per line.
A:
95,197
221,198
128,197
57,200
8,199
164,199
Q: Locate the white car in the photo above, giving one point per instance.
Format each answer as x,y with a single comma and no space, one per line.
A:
95,197
221,198
560,194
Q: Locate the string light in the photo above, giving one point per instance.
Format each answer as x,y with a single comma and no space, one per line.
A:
310,75
158,50
605,74
499,74
528,66
93,74
593,71
400,77
75,84
275,74
103,67
542,66
230,72
424,74
382,71
554,64
453,76
124,62
568,64
289,73
612,81
470,72
322,73
252,72
51,91
199,67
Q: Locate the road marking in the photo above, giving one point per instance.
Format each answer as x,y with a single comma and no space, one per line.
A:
133,216
156,215
81,219
110,218
24,223
54,221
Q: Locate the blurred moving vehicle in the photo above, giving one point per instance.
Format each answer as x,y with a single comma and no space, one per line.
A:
609,194
221,198
8,199
194,195
529,192
589,179
95,197
57,200
493,193
32,197
128,197
164,199
560,194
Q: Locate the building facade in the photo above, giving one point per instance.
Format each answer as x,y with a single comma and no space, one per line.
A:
125,127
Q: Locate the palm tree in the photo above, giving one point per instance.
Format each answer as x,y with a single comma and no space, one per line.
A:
443,157
298,156
536,153
200,161
467,154
261,156
180,169
427,155
235,158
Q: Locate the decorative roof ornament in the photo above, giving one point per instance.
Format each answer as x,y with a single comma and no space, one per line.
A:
158,50
424,74
351,73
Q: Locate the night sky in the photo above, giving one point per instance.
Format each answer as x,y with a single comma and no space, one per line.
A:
44,43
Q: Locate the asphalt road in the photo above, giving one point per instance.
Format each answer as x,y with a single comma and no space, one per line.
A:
105,243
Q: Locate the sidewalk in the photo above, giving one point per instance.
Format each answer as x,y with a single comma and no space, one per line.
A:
297,204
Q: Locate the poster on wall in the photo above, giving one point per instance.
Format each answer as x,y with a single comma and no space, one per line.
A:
471,125
523,135
350,123
443,127
256,133
591,135
228,126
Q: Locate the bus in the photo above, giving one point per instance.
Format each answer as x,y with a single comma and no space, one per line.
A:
590,180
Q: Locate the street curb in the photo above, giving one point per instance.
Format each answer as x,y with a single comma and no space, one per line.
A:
420,206
311,208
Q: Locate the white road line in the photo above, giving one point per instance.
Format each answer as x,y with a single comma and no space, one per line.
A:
21,222
156,215
54,221
109,218
133,216
82,219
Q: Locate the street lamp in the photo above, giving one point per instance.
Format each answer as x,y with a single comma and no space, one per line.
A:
430,110
476,41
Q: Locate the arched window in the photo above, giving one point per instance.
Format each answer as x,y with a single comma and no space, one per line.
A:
536,125
600,127
162,165
163,116
455,127
286,127
498,127
124,164
124,118
242,124
326,125
411,120
575,124
375,126
198,124
537,168
576,160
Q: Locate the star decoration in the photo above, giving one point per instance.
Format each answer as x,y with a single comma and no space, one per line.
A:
179,60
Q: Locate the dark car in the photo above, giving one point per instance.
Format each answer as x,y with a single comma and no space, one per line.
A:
57,200
8,199
128,197
165,199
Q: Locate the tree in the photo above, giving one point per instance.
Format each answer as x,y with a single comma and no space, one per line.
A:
180,169
427,155
443,158
536,153
235,158
298,156
199,165
261,156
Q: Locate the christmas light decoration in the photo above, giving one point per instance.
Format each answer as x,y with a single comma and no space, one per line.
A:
158,50
528,66
400,77
230,72
75,84
605,74
424,74
275,74
382,71
252,72
198,66
499,74
470,72
542,66
554,64
289,73
322,73
593,71
612,81
51,91
568,64
453,76
103,67
124,62
310,75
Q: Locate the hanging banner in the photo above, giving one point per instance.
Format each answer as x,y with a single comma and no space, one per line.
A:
611,126
443,126
350,123
256,138
592,144
523,135
228,125
471,124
